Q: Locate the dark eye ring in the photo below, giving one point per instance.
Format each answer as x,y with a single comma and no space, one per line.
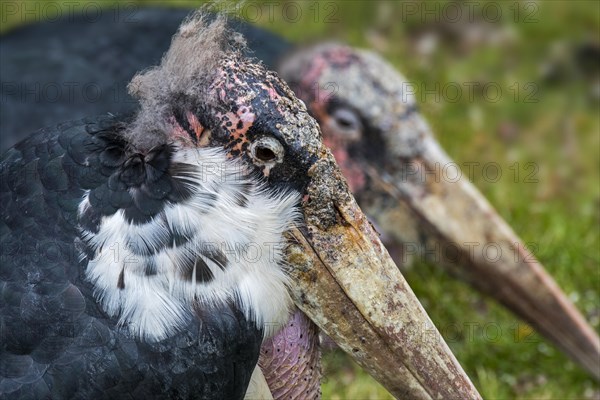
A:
266,150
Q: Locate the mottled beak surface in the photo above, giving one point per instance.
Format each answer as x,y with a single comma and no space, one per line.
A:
460,230
346,282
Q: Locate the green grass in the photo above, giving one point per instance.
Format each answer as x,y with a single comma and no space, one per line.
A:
560,133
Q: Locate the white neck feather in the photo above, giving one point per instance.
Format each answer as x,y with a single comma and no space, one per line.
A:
249,233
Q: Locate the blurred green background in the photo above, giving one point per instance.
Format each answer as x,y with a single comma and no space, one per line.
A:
534,67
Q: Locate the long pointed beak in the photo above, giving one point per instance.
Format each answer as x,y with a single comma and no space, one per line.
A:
346,282
467,236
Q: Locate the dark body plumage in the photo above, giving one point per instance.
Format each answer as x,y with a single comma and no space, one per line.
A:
103,55
56,341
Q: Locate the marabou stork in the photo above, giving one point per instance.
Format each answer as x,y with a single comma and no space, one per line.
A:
149,256
394,168
381,143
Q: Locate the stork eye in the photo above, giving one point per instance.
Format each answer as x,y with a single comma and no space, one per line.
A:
265,154
346,120
266,150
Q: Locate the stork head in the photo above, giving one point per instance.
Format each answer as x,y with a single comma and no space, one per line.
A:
236,199
399,174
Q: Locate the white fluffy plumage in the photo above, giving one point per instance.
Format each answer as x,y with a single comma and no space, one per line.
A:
249,234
